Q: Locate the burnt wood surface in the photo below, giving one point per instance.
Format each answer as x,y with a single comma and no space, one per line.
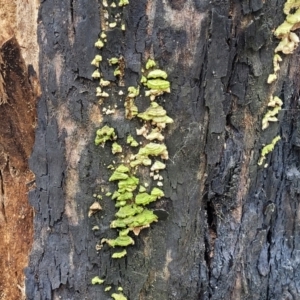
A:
232,230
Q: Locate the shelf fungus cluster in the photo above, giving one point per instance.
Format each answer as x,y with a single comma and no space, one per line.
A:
143,152
289,41
267,149
274,105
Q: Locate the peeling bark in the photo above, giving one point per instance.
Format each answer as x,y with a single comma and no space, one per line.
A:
231,230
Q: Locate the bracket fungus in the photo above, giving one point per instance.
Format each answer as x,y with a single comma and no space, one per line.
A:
97,280
131,141
116,148
151,149
105,134
96,61
156,114
267,149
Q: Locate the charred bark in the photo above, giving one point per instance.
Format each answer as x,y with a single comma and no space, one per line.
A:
232,228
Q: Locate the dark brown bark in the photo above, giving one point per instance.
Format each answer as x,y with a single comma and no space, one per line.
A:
232,228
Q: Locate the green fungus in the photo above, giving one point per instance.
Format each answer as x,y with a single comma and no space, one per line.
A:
155,134
119,254
144,198
119,173
143,79
108,288
117,71
158,115
270,116
151,149
129,210
104,82
133,92
157,192
104,134
267,149
122,241
123,2
99,44
119,296
142,189
158,165
129,184
157,74
145,218
150,64
116,148
158,84
113,61
96,74
96,61
97,280
125,196
131,141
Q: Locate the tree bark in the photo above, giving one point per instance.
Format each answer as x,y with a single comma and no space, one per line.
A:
228,228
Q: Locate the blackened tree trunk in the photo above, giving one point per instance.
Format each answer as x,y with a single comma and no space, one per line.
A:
229,228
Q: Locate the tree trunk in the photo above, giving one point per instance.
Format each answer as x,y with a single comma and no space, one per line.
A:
227,228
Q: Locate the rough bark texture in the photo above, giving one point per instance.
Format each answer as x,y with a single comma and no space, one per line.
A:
18,93
232,228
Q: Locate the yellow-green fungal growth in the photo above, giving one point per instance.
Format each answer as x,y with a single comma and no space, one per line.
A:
291,4
100,93
104,82
157,74
133,92
108,288
116,148
131,141
150,64
128,185
122,241
145,198
97,280
270,116
267,149
112,24
151,149
158,84
288,43
275,101
155,134
119,254
117,71
113,61
129,211
143,79
99,44
157,115
96,61
119,296
145,218
158,165
123,2
96,74
105,134
120,289
120,173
